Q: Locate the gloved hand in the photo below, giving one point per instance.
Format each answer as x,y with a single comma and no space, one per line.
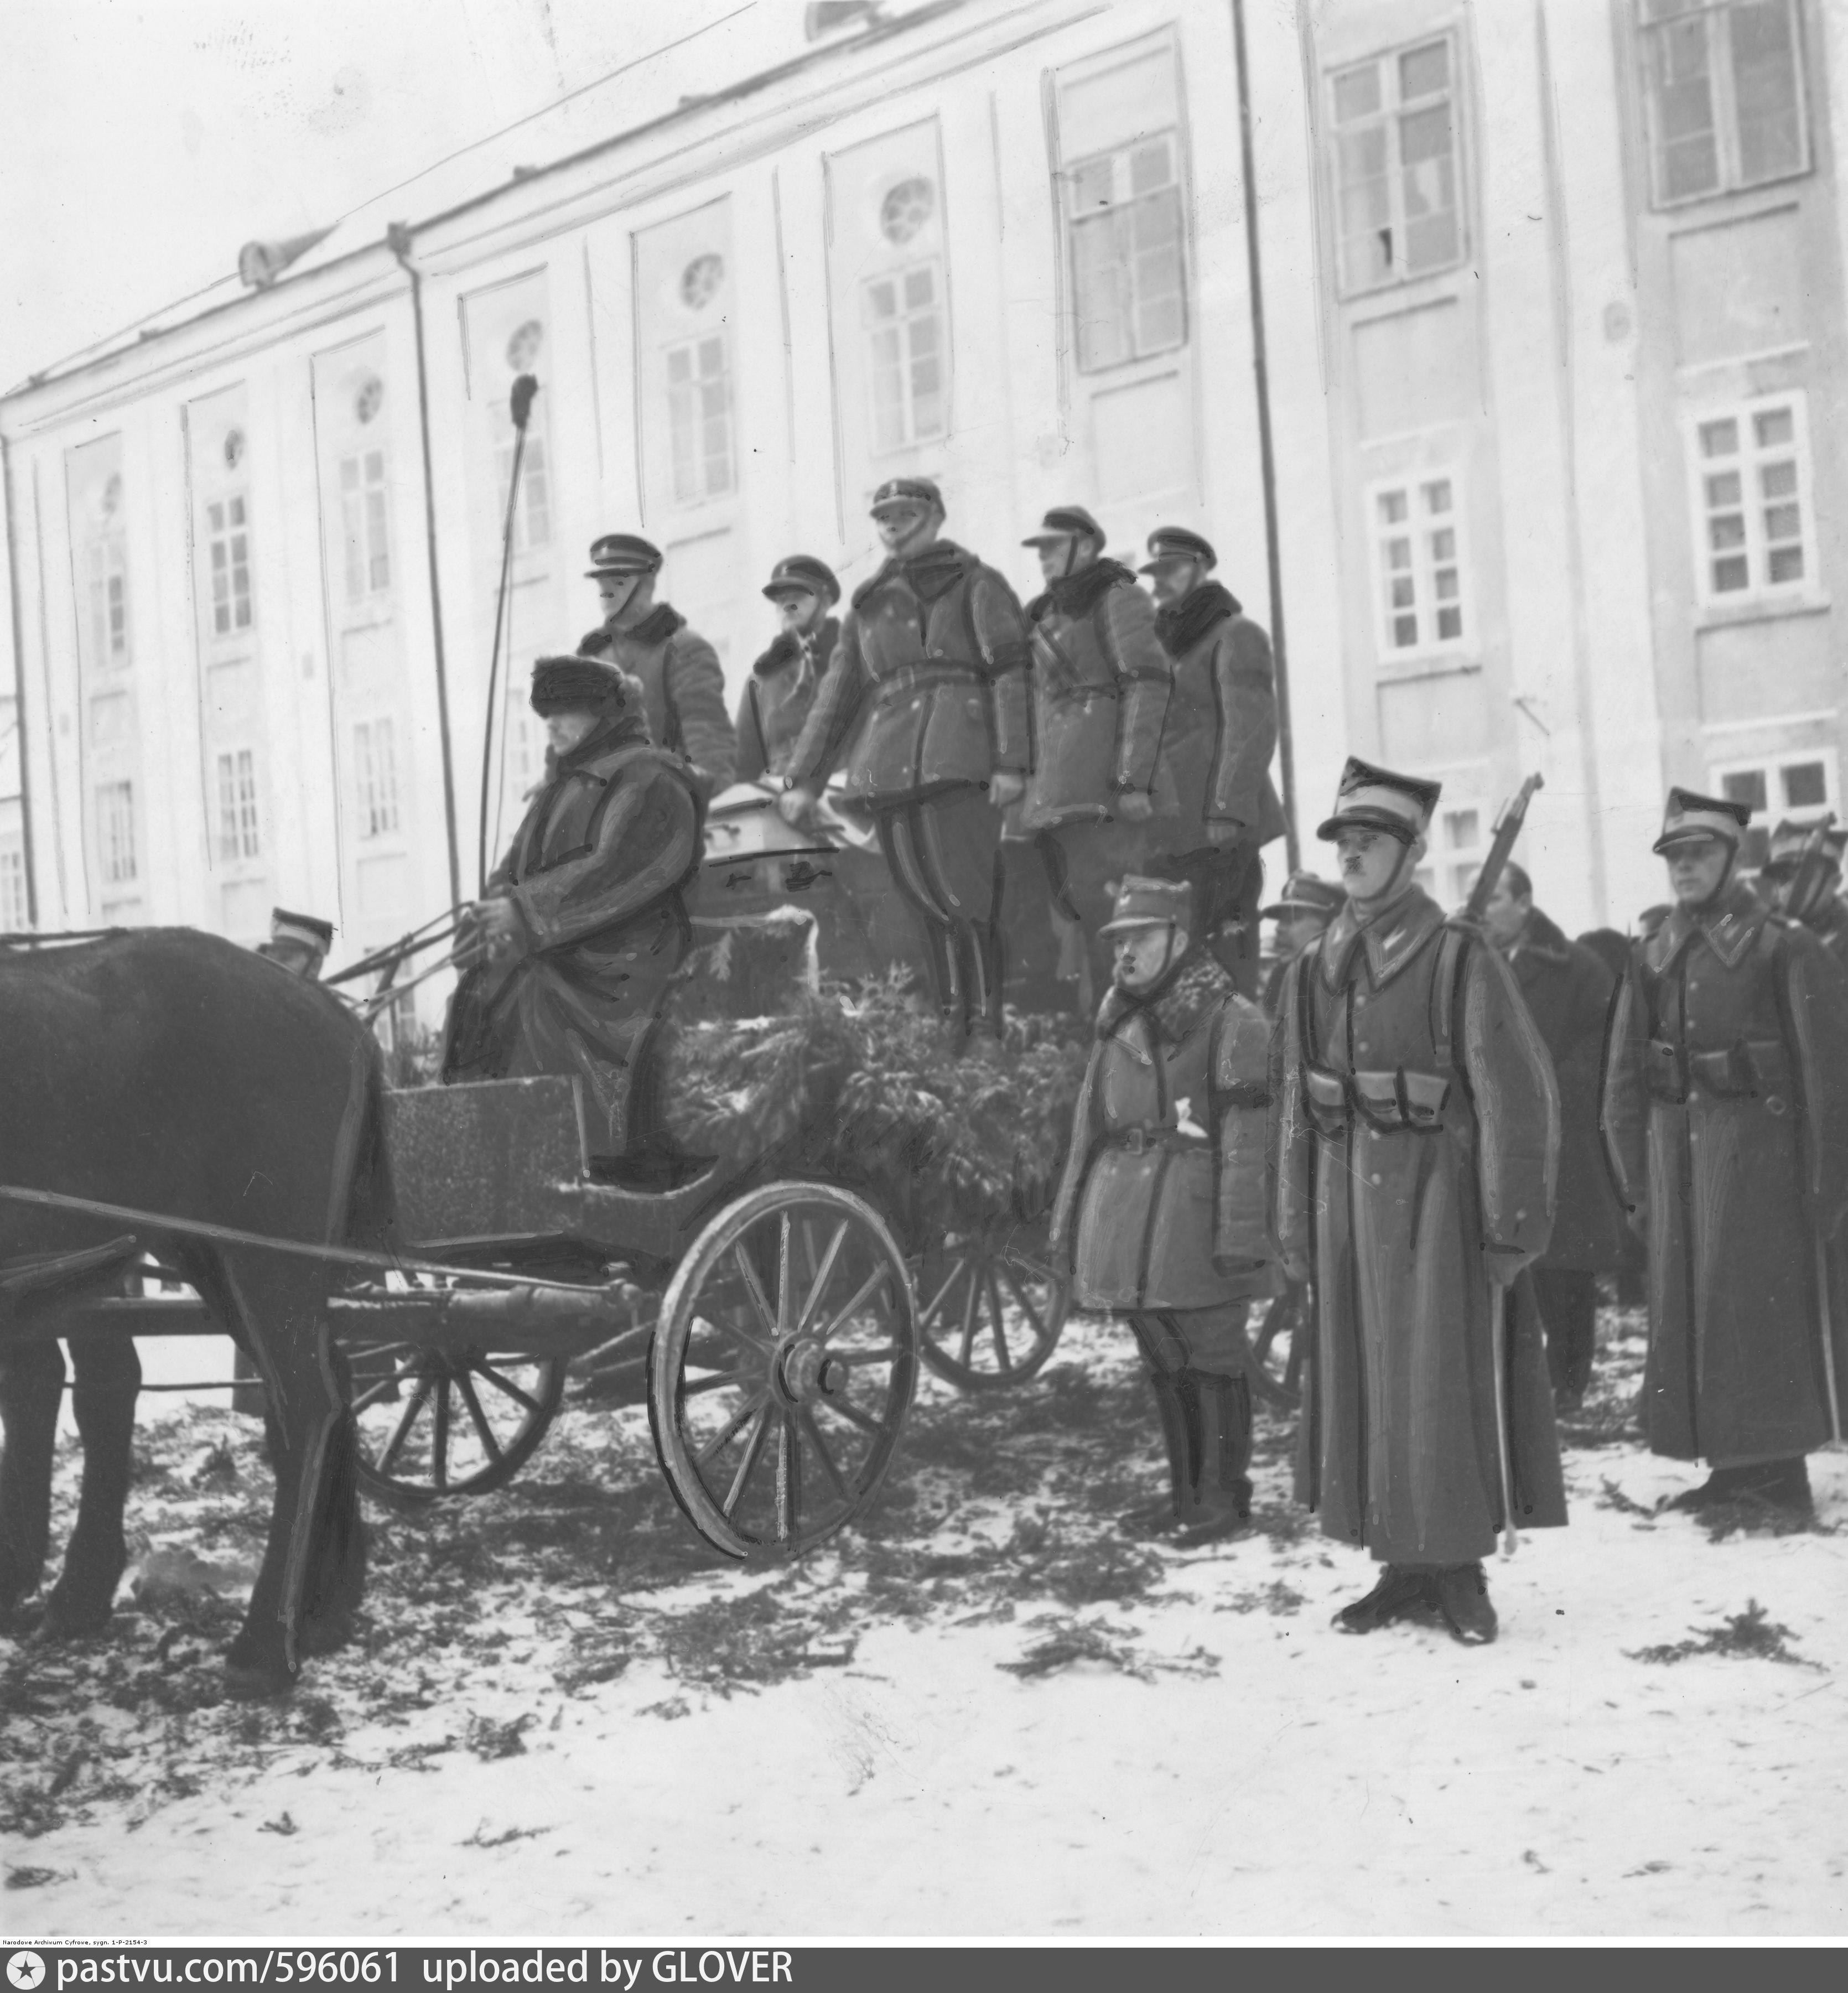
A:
796,805
1134,806
1005,787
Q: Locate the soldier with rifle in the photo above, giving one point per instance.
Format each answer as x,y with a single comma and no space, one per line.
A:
1415,1138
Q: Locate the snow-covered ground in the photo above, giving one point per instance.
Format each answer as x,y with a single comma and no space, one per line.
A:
984,1714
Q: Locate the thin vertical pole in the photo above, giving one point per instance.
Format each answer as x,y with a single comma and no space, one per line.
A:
19,733
1267,464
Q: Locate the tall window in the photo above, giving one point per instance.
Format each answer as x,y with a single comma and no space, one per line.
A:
115,833
905,342
1418,564
1800,785
365,523
1724,84
532,516
375,777
109,601
1398,207
13,916
1129,270
1751,468
227,540
699,418
237,838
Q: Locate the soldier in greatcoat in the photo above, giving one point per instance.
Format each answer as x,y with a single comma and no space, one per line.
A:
926,703
1162,1204
1100,699
1567,992
1804,874
567,956
1302,911
683,688
1417,1133
1215,808
775,704
1726,1116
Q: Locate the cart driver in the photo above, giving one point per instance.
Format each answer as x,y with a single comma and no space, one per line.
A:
567,956
298,943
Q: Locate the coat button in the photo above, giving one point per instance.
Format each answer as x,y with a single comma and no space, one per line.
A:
1376,1176
1363,1047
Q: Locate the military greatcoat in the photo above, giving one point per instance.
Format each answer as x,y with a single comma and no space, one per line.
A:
595,870
774,707
683,690
1163,1196
1416,1130
1726,1116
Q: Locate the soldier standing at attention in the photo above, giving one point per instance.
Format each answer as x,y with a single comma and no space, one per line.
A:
1303,910
1215,808
1806,884
933,657
781,688
1417,1133
1162,1206
1567,992
1100,691
683,689
1726,1116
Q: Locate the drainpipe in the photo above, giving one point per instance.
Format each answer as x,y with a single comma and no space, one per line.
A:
397,239
1267,463
12,578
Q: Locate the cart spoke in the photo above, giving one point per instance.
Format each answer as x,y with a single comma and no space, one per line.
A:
726,1432
789,1478
849,1410
875,1279
754,1288
484,1368
969,1308
716,1382
821,1279
1018,1290
929,1314
465,1384
753,1449
997,1324
822,1453
373,1393
785,1275
394,1445
439,1436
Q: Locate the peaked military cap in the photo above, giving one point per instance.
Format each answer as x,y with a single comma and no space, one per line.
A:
1176,543
306,928
1374,799
802,574
1789,841
1061,523
1304,893
907,491
567,685
622,553
1690,818
1150,903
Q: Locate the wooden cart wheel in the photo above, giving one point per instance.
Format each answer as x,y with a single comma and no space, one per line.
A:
781,1369
437,1422
989,1308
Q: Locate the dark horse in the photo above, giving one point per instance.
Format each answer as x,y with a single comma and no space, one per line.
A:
171,1072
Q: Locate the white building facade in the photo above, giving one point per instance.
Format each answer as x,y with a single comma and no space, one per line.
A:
1551,340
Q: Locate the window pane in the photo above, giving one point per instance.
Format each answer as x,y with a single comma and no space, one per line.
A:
1805,786
1366,203
1786,564
1729,575
1402,593
1783,522
1426,143
1450,625
1101,285
1423,72
1151,167
1774,427
1392,506
680,367
1092,185
1719,439
1443,545
1462,828
1765,89
1687,156
1443,583
1156,275
1398,553
350,474
1357,93
1404,631
1746,786
920,288
214,517
1778,480
1437,496
1726,489
1726,530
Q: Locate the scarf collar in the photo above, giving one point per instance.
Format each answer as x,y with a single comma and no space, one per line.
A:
1390,938
619,729
656,627
1076,594
1729,924
1540,938
1181,627
1175,1004
932,572
786,648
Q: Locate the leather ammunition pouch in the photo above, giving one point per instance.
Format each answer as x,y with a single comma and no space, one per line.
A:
1146,1141
1747,1069
1400,1101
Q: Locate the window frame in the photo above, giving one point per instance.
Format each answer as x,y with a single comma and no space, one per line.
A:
535,474
1390,116
900,323
1772,765
225,496
107,561
1760,590
238,810
1427,602
121,787
1651,30
367,505
689,396
371,799
1074,225
14,898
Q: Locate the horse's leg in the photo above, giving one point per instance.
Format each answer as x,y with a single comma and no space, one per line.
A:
336,1578
107,1378
280,1307
32,1382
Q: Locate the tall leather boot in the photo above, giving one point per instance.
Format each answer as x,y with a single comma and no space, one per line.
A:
1177,1508
1222,1451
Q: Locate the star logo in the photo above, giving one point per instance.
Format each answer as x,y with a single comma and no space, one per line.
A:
26,1971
